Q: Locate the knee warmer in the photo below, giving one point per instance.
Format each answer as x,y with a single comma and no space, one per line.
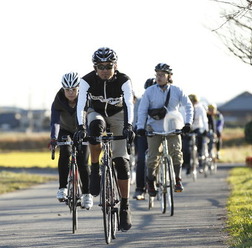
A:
96,128
122,168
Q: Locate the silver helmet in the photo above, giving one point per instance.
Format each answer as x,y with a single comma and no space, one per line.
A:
70,80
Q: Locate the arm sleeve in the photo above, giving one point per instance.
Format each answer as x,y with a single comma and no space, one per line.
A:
128,99
188,107
204,118
82,100
143,111
55,122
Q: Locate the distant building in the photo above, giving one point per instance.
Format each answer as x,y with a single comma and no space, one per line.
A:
21,120
237,111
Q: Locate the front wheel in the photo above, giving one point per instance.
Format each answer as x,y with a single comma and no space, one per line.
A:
170,185
106,203
74,199
162,185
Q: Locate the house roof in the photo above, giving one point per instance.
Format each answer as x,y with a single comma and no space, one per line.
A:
242,102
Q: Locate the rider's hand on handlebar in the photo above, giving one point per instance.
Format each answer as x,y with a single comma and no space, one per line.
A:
141,132
52,144
129,133
80,134
186,128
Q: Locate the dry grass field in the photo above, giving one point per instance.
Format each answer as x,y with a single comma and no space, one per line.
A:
27,150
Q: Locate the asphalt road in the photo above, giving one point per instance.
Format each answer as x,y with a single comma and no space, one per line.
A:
34,218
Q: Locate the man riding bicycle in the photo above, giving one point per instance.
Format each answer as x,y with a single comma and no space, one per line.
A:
110,97
155,97
64,124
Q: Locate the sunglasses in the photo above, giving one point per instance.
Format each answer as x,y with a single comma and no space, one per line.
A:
71,89
105,67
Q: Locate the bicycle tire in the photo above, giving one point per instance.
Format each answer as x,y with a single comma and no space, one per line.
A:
170,186
74,199
194,160
151,202
114,223
106,203
162,185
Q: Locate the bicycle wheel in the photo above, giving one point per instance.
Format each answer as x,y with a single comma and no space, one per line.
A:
106,203
114,222
170,185
193,158
74,198
151,202
162,185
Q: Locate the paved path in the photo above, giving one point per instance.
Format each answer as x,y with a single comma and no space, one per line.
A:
34,218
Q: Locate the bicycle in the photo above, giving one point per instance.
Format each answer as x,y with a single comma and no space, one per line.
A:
205,156
110,196
165,179
132,163
74,185
194,163
212,153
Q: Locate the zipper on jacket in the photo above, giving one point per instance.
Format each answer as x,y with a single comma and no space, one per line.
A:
105,97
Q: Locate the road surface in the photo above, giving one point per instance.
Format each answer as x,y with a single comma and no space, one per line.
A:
34,218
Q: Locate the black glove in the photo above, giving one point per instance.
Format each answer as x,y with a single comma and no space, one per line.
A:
52,144
141,132
80,134
128,132
186,128
204,133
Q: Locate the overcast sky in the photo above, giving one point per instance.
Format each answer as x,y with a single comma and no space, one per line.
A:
43,39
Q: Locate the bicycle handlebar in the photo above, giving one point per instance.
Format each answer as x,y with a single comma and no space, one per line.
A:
169,133
53,153
63,143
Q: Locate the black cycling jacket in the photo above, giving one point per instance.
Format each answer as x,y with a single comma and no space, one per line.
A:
62,115
106,97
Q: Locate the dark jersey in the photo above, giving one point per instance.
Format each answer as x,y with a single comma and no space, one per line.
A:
62,115
106,97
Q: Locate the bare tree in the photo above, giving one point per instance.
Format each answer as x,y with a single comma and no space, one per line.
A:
235,29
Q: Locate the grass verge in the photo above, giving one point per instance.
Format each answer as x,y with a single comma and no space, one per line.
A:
10,181
239,206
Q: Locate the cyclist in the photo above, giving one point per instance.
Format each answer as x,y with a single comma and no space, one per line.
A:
141,148
154,97
216,124
64,123
200,127
111,103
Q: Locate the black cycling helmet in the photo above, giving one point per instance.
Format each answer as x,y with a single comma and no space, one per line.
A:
163,67
104,54
149,82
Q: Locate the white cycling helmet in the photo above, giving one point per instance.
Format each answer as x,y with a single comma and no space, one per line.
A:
70,80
